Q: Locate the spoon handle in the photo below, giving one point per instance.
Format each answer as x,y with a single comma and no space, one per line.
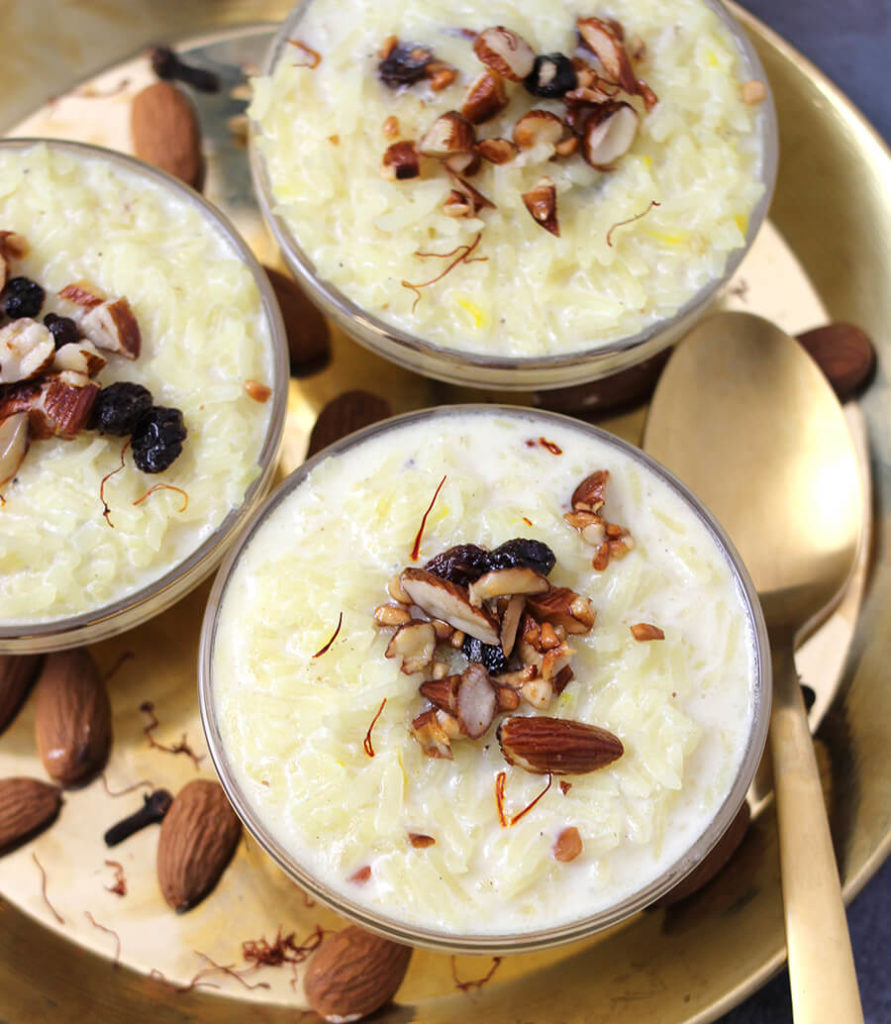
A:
821,964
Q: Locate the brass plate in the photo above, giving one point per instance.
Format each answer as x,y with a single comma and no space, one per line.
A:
690,964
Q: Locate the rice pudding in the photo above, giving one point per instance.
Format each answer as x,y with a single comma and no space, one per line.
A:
97,234
326,720
599,217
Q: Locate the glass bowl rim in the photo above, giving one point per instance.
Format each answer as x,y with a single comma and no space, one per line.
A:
368,326
492,943
66,631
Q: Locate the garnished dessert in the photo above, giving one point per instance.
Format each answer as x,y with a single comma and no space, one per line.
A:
483,672
513,184
130,329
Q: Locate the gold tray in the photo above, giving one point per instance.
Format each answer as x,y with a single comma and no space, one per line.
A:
689,964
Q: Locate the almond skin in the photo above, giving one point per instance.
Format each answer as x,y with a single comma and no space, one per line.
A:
199,835
342,415
309,343
560,746
166,132
72,721
17,673
26,807
354,973
844,353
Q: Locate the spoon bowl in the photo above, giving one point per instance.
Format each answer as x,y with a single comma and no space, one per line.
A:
747,421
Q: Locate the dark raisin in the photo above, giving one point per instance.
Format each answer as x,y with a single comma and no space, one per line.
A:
158,439
490,656
119,407
521,551
167,65
552,76
63,329
405,64
462,564
22,297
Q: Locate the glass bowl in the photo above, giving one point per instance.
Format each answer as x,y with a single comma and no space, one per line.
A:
150,599
242,793
512,373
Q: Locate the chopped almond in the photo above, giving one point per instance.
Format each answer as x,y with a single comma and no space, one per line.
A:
568,845
643,631
541,202
429,733
390,615
565,607
485,97
442,599
415,642
515,580
111,325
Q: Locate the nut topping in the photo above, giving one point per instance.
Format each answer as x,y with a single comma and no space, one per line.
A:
26,350
112,326
589,495
457,205
541,202
608,134
510,622
559,746
476,701
564,607
499,582
415,642
449,135
568,845
390,615
506,53
442,693
646,631
754,92
497,151
442,599
401,161
485,97
475,199
14,437
590,526
430,734
79,356
538,126
603,40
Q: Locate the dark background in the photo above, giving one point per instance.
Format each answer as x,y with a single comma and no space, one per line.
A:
849,40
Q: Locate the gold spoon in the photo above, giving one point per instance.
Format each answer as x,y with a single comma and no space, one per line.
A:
744,417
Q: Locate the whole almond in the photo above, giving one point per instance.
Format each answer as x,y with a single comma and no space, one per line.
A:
714,861
26,807
353,973
198,838
17,673
844,353
560,746
72,721
342,415
166,132
309,342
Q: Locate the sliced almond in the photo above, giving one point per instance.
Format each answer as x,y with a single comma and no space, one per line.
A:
563,678
541,202
475,198
457,205
14,439
609,133
449,135
504,52
79,356
555,660
441,599
442,693
510,623
538,126
112,326
442,629
449,725
497,151
485,98
646,631
476,701
559,746
401,161
429,733
464,163
82,293
590,526
415,642
603,40
26,349
568,845
564,607
501,582
590,495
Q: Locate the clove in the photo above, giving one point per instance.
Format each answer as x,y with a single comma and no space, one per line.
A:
156,805
167,65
